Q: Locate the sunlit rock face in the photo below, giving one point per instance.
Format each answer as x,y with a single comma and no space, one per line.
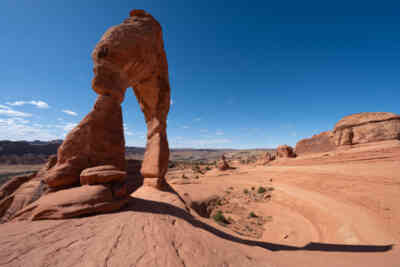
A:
88,176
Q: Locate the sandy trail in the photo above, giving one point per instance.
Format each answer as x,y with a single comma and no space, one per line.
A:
349,197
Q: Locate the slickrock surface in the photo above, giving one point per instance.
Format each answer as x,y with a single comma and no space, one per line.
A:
154,230
70,203
19,192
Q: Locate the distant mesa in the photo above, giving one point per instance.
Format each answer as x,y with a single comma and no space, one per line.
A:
354,129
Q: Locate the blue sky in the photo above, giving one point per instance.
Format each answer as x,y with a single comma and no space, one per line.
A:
243,74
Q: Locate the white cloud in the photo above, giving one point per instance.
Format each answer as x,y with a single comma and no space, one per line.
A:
70,112
128,133
185,127
4,110
19,129
69,126
219,132
39,103
171,102
193,143
197,119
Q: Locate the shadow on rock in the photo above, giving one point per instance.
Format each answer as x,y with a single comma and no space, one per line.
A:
155,207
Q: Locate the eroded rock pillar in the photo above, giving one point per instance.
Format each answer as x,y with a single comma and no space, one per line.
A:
154,99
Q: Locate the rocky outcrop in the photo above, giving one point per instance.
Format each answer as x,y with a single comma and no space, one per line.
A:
354,129
265,158
319,143
222,164
285,151
97,140
367,127
73,202
17,193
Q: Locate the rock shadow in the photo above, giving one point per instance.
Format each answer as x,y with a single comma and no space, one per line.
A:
155,207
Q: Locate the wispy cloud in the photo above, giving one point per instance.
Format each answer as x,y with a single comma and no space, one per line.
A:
39,103
185,127
4,110
69,126
70,112
219,132
193,143
197,119
20,129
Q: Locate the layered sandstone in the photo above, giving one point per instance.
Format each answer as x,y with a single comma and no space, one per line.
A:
97,140
354,129
132,55
367,127
319,143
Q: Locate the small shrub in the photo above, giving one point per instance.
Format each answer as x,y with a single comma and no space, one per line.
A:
252,215
261,190
252,188
220,218
271,188
245,191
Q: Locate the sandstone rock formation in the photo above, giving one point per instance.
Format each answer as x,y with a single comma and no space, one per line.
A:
222,164
88,174
367,127
319,143
354,129
285,151
97,140
265,158
102,175
132,55
17,193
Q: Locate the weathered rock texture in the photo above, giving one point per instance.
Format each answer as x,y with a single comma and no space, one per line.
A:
102,175
354,129
319,143
73,202
97,140
367,127
17,193
132,55
93,154
285,151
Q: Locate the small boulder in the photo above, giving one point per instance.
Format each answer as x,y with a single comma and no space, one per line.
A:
101,175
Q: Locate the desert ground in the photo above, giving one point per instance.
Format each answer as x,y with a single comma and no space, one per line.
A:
329,209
